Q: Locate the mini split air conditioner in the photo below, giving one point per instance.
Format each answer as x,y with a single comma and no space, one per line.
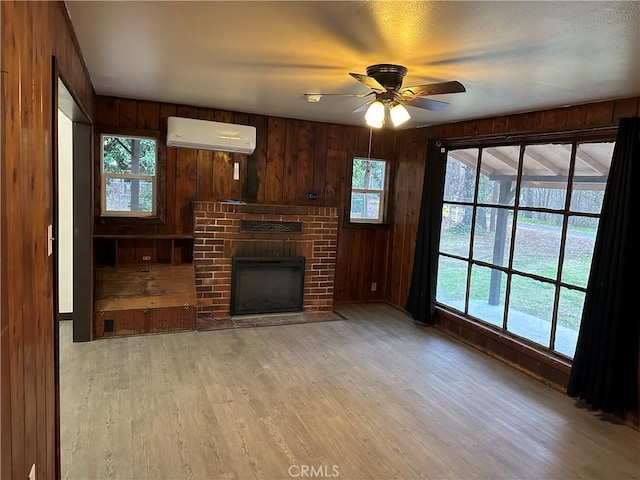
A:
207,135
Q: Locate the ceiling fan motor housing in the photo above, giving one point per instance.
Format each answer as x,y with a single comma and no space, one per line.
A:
388,75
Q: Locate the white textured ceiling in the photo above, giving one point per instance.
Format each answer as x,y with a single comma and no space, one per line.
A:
261,57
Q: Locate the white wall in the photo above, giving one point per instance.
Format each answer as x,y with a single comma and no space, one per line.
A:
65,213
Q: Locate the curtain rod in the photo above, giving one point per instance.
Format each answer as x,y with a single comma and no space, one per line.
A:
593,133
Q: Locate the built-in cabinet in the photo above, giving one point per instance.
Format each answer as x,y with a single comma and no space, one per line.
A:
143,293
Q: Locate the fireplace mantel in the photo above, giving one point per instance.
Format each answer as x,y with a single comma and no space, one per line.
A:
219,238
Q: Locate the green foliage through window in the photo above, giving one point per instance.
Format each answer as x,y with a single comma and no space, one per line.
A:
128,175
367,190
523,220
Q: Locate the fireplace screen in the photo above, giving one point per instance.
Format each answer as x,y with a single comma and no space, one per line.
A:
266,285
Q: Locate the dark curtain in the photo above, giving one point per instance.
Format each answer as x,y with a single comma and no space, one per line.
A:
421,301
604,374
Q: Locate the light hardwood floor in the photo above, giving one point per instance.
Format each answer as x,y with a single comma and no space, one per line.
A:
373,397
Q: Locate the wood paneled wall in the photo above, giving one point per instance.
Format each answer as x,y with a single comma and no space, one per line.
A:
293,158
411,158
32,33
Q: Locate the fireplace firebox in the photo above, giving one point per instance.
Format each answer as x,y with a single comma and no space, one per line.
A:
266,285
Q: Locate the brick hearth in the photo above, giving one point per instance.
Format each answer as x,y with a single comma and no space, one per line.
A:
218,238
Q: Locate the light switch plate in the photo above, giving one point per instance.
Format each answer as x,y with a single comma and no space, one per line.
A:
50,240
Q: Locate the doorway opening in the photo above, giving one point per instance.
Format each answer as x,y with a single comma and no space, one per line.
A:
71,206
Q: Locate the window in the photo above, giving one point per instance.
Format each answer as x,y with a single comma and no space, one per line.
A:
519,224
128,170
368,190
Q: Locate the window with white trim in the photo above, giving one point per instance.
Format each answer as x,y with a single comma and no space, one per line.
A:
128,171
368,190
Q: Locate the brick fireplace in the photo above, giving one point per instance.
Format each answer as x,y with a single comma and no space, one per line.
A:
224,230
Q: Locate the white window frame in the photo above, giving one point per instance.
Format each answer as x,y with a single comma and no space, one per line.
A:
383,192
132,176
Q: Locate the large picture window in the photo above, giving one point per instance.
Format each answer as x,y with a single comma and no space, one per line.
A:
368,190
128,171
519,224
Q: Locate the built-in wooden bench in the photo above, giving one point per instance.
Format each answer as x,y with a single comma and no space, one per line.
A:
136,299
133,298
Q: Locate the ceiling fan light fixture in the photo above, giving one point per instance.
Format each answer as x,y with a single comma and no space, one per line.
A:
399,114
375,114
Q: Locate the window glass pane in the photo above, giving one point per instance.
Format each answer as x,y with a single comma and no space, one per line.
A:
368,174
365,205
452,282
368,184
545,170
492,235
578,250
486,294
537,245
590,178
357,205
460,179
498,173
531,309
129,195
371,205
128,155
569,317
456,229
542,208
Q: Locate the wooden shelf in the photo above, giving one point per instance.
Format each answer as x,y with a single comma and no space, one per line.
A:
122,249
145,237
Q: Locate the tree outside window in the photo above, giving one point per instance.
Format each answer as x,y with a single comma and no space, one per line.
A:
368,183
519,224
129,167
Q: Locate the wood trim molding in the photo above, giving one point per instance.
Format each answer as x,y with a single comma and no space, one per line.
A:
76,44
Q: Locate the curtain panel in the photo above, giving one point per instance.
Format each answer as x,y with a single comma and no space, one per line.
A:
604,374
421,300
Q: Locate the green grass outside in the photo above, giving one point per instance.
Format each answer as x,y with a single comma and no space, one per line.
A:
528,296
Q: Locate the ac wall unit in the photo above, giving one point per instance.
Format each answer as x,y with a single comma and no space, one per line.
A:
207,135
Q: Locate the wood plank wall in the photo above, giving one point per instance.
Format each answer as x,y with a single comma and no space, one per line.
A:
292,159
32,32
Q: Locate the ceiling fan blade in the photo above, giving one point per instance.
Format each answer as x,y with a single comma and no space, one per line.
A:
359,95
363,107
425,103
433,89
370,82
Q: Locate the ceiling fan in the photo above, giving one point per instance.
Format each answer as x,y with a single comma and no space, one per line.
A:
385,81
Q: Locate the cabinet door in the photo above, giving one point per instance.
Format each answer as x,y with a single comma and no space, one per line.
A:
185,318
143,320
116,322
171,319
98,324
162,319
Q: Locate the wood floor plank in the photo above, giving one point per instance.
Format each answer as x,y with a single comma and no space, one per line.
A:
373,395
